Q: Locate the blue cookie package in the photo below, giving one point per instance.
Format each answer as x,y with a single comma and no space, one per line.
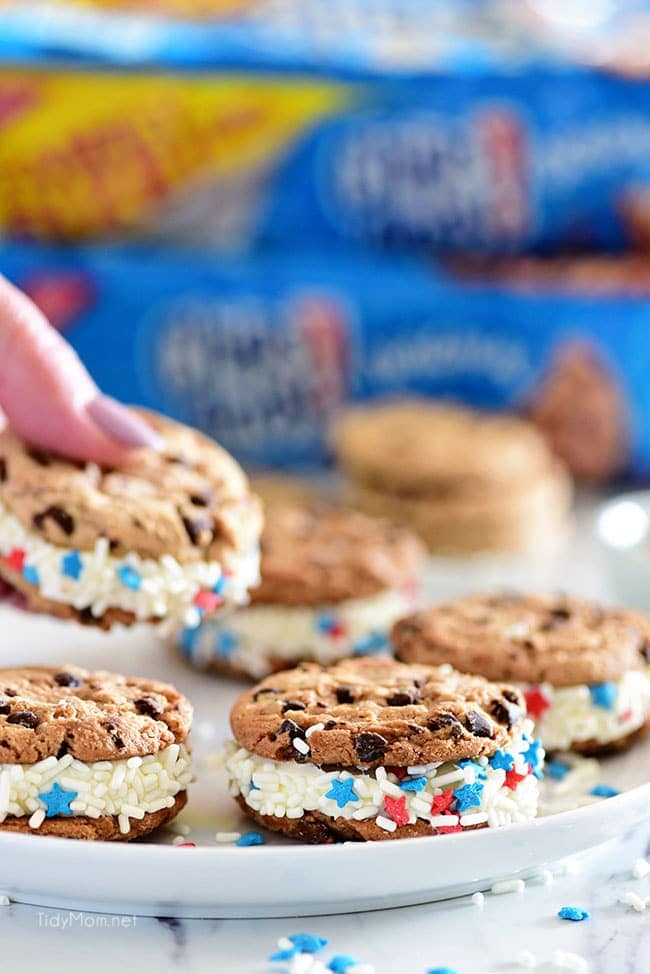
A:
260,352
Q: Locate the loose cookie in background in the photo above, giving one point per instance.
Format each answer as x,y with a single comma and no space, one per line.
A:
333,583
90,755
171,534
464,481
374,749
583,668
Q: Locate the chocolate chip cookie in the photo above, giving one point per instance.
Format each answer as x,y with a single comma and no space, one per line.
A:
583,667
169,535
376,749
90,755
333,582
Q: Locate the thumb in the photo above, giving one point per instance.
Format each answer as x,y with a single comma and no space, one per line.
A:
48,396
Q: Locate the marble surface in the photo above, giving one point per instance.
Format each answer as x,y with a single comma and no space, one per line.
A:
455,934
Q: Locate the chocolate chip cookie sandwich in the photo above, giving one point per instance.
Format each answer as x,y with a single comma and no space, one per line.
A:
374,749
464,481
90,755
333,582
171,534
582,668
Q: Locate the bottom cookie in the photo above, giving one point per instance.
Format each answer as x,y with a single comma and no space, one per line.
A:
596,749
316,828
105,829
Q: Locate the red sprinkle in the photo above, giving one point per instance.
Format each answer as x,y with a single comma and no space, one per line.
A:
400,773
208,601
15,559
626,715
337,630
441,804
513,778
186,845
396,809
536,703
449,829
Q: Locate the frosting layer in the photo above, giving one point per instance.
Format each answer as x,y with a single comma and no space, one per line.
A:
251,638
149,588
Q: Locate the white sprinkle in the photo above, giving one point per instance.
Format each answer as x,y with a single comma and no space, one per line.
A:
640,868
300,745
567,961
227,836
386,823
478,900
476,818
312,730
4,901
635,901
527,959
508,886
37,819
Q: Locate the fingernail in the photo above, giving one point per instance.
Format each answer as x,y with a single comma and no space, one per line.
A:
123,424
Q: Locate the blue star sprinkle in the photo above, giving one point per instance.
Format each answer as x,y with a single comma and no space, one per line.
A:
534,758
57,801
502,761
325,622
226,643
413,784
342,792
441,970
480,774
574,913
130,577
469,796
31,575
189,638
286,953
307,943
603,695
250,838
341,963
604,791
557,769
374,642
72,565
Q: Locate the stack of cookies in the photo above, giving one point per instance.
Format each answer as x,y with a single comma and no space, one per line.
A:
464,481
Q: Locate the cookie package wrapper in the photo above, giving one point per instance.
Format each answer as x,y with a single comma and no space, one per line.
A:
272,123
262,352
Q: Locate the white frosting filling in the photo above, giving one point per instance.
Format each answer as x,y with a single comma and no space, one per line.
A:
128,788
573,716
249,638
160,588
288,789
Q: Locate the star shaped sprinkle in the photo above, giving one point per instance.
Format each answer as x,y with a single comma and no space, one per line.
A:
31,575
226,643
72,565
469,796
574,913
603,695
57,801
207,601
395,808
413,784
536,703
340,963
512,779
557,769
250,838
129,577
15,559
342,792
533,757
308,943
604,791
442,803
502,761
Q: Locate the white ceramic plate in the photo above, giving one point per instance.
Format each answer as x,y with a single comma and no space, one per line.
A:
281,878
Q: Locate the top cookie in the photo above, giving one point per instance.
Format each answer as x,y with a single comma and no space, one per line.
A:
318,555
371,712
422,446
92,716
527,638
190,501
